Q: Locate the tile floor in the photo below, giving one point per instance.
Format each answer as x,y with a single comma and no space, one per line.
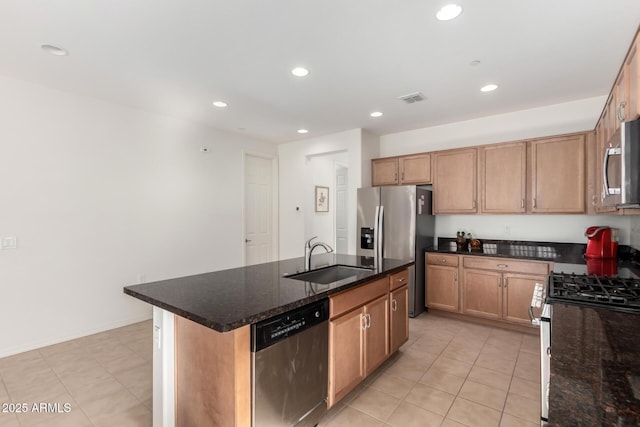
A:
450,373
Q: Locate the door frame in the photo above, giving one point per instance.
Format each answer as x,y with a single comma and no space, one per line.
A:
274,202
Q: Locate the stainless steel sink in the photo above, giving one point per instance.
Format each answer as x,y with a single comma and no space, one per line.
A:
330,274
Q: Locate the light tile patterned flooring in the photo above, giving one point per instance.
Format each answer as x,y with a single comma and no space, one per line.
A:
450,373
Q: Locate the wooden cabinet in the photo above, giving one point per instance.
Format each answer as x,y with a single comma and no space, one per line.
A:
482,296
346,354
557,178
502,178
501,288
376,333
399,318
632,65
441,282
516,296
399,310
454,181
384,171
415,169
366,324
404,170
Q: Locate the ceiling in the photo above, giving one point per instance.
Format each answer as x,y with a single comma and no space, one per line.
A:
177,57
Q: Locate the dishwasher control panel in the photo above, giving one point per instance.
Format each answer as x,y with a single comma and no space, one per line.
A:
271,331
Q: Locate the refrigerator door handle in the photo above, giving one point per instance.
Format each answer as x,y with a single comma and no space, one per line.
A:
380,228
376,233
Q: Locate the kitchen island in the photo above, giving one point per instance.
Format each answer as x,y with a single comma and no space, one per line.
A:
202,331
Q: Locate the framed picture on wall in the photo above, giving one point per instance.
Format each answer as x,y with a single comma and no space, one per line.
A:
322,199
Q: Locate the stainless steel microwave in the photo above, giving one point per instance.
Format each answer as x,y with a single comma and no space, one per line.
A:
621,167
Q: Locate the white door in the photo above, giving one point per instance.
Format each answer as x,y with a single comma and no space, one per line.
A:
258,208
342,212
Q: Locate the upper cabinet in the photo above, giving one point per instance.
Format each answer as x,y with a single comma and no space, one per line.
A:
415,169
412,169
632,65
502,178
454,182
557,178
384,171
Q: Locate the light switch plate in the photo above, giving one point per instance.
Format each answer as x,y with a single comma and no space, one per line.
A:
9,243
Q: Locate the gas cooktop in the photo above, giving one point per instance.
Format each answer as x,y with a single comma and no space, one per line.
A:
608,292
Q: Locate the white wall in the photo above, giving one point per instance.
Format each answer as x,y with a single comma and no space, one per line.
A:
99,194
295,196
556,119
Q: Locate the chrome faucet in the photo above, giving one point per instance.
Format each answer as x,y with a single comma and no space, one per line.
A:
308,249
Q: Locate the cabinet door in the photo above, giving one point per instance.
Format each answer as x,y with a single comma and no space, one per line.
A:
454,183
503,175
622,98
399,326
415,169
441,288
517,290
558,175
483,293
376,337
346,354
384,171
633,76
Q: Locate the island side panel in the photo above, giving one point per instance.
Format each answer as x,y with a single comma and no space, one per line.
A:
213,376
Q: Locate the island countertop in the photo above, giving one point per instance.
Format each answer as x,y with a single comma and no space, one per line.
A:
228,299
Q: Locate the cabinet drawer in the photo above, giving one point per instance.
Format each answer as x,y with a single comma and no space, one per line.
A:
398,279
442,259
357,297
506,264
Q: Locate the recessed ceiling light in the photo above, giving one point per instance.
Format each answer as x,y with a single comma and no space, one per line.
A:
54,50
303,131
220,104
448,12
376,114
488,88
300,72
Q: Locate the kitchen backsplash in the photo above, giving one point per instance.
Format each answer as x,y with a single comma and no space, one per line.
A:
541,228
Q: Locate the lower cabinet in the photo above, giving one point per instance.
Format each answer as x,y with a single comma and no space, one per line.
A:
399,318
441,285
500,289
366,325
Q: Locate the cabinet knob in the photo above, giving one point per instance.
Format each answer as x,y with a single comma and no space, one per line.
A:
442,260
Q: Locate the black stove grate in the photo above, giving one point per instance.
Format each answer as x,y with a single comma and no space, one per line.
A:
603,291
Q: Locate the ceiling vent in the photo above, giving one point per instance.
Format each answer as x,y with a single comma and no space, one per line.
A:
412,97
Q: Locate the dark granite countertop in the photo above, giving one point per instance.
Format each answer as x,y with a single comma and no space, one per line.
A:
595,367
228,299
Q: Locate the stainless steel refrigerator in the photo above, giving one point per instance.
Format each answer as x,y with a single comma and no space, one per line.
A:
397,222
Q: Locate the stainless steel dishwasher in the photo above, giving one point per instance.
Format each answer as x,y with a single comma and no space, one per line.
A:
289,361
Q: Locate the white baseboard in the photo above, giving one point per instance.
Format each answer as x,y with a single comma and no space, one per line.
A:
5,352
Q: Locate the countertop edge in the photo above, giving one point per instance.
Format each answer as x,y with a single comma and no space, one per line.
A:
230,326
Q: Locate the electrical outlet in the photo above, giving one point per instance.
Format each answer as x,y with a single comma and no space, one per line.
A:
507,230
142,278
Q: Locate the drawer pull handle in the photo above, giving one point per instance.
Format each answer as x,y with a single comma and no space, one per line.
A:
402,279
502,265
394,305
442,260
